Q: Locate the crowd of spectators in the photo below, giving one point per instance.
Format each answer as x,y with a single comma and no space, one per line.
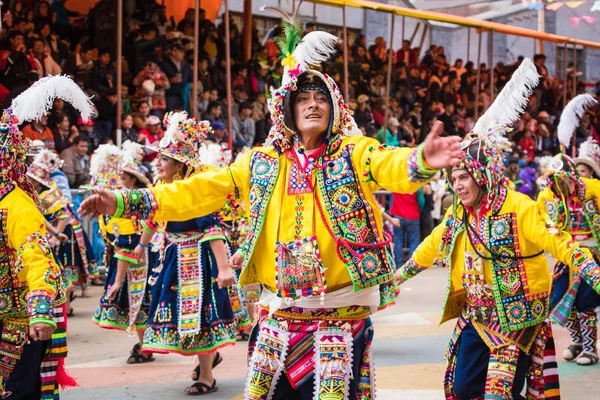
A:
41,38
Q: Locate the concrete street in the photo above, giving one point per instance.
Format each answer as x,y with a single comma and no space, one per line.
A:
408,351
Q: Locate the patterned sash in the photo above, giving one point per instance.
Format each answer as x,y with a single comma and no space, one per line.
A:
190,288
136,277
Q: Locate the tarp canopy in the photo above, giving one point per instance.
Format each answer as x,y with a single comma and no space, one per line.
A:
453,19
176,8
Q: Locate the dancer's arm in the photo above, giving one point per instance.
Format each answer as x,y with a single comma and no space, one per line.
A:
182,200
425,255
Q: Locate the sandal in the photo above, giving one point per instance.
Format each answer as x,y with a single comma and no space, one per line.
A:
587,358
196,372
572,352
137,357
242,337
202,389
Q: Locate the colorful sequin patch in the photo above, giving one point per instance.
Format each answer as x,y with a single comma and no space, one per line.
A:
190,289
333,364
139,204
300,271
266,363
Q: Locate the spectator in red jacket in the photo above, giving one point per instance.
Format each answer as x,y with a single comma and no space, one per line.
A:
407,55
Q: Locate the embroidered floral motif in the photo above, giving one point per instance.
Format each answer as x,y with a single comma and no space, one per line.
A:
39,305
417,172
139,204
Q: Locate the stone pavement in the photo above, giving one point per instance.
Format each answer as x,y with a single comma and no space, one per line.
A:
408,352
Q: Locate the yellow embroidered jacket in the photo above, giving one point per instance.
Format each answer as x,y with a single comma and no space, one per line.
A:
521,282
341,211
30,282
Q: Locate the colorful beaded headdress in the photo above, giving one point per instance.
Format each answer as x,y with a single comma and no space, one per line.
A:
133,154
562,166
52,200
299,53
13,152
44,163
486,146
105,166
182,138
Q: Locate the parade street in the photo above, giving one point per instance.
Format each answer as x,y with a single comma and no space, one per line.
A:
408,350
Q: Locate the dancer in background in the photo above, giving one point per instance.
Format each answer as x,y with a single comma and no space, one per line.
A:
124,304
573,204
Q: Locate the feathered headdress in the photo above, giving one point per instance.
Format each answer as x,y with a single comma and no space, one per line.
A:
486,146
44,163
571,115
182,138
133,154
562,166
105,166
214,154
299,53
589,154
33,103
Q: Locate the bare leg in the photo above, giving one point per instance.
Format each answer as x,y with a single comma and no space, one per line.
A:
206,373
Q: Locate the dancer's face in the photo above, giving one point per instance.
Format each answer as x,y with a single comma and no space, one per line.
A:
465,187
127,180
584,171
167,168
311,112
562,188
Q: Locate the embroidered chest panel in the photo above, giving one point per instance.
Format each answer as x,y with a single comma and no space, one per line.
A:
353,222
517,308
264,170
12,294
586,217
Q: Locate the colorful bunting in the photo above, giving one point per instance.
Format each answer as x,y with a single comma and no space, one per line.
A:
574,4
588,19
575,21
555,6
595,6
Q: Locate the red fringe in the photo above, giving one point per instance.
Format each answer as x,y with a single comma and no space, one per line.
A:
62,376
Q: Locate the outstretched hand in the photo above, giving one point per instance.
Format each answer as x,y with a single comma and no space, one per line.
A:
441,152
102,202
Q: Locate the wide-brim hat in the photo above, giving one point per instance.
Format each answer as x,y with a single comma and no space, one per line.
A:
138,172
179,151
588,162
41,175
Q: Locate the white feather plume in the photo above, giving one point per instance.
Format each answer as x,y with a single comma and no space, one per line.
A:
213,154
512,100
132,152
572,113
172,120
103,157
314,48
33,103
590,149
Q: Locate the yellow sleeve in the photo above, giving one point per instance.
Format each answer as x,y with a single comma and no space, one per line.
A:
399,170
425,255
35,263
541,231
197,196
